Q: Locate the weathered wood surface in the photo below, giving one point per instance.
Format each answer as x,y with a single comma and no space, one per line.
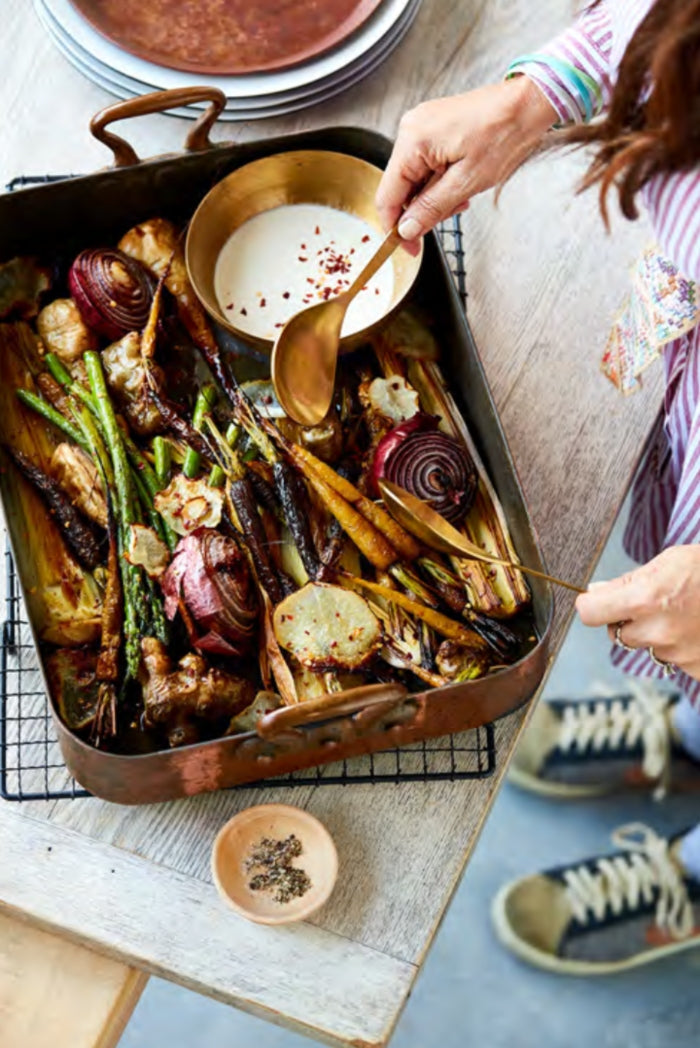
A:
323,983
544,281
56,994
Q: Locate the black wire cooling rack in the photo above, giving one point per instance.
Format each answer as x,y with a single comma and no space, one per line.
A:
31,766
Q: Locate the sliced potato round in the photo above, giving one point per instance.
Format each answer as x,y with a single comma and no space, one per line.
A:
326,627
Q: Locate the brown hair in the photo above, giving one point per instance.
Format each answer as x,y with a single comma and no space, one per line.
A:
652,124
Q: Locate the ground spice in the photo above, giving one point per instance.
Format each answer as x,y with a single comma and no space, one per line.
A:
273,858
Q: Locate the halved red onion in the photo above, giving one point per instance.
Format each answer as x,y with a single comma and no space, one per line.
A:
429,464
113,292
210,575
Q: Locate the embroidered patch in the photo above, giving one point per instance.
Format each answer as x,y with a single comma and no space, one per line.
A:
663,305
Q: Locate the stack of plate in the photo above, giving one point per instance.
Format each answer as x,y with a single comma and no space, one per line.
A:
338,60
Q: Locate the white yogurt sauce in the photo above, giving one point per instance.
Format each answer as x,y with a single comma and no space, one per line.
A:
291,257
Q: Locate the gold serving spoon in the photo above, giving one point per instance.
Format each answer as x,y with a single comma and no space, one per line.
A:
422,521
305,353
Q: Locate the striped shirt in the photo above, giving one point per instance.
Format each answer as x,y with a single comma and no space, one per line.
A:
577,71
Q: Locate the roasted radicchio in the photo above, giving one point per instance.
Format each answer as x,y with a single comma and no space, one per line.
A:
209,581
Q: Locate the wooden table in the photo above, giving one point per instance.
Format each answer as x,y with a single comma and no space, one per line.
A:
544,280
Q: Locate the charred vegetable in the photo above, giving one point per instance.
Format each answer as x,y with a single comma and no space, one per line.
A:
175,696
78,533
209,575
293,496
74,685
112,291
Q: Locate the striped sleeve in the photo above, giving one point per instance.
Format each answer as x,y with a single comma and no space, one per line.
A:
573,70
673,202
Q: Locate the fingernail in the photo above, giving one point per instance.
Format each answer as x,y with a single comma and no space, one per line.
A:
598,582
409,229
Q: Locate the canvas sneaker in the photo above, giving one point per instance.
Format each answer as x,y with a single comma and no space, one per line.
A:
606,914
588,747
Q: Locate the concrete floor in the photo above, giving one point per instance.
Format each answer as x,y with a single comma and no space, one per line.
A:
472,993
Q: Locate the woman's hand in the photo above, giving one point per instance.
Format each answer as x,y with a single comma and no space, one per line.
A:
659,605
456,147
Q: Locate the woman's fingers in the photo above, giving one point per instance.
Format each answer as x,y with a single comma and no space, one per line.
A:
614,601
442,197
405,173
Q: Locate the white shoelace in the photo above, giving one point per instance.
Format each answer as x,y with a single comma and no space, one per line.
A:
630,880
642,719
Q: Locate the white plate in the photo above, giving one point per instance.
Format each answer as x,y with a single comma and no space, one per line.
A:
246,86
314,93
229,113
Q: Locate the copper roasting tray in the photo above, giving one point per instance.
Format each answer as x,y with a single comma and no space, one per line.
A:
61,218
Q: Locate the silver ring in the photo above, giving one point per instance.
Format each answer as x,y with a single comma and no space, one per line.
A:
618,639
670,670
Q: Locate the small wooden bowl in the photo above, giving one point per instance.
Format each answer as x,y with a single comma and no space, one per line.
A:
241,834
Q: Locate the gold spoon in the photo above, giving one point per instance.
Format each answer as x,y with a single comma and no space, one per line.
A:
305,352
422,521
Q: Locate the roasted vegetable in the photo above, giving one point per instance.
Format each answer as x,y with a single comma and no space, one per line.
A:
22,282
458,663
173,696
436,620
64,332
392,398
243,499
209,575
77,533
408,336
187,505
327,628
206,399
147,550
78,476
492,589
143,608
429,464
126,377
264,702
112,292
158,246
74,685
293,501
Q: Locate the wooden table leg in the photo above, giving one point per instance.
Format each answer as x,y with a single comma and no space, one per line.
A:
56,994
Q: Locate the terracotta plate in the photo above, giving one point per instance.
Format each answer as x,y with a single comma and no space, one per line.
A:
226,36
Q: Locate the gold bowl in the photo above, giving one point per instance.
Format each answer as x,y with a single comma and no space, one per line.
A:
309,176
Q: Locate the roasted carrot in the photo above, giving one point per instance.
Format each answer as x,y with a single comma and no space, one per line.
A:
443,625
405,545
368,540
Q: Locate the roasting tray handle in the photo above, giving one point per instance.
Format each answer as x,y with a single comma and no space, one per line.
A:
353,700
158,102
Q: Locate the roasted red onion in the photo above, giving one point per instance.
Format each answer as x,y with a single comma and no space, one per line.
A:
209,574
429,464
112,291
